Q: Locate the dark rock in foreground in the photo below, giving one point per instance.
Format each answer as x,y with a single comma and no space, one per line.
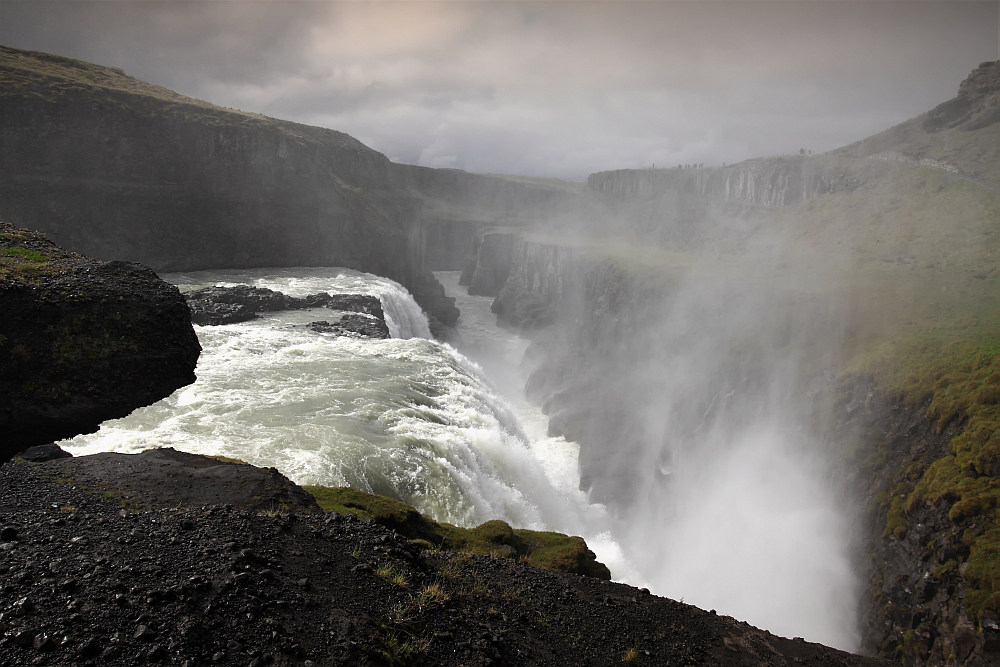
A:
229,305
169,478
87,581
43,453
82,341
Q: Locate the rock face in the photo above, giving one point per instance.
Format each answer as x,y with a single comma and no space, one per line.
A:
976,106
765,182
913,608
539,282
493,263
82,341
113,167
229,305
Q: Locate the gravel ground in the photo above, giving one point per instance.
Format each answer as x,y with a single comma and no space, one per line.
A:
89,578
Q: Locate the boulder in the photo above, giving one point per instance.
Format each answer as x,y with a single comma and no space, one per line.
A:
228,305
82,341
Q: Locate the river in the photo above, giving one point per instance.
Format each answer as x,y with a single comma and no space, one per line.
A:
441,427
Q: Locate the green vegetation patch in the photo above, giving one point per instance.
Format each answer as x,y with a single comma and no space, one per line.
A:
547,550
23,253
959,380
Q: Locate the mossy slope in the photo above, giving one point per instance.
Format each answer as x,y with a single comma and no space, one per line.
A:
547,550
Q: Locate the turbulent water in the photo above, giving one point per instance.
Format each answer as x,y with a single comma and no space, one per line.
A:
407,417
447,430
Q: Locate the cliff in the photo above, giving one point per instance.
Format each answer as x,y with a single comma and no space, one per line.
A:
82,341
114,167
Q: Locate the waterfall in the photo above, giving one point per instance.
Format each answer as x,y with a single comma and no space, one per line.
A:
407,417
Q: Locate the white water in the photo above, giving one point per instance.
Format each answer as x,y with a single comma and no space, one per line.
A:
417,420
407,417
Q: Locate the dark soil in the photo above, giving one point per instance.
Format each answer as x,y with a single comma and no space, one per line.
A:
87,580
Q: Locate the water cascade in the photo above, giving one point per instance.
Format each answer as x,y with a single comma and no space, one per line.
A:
406,417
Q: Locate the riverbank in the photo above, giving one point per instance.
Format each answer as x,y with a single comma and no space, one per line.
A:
88,580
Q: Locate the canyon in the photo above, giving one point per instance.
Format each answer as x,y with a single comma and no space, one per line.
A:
856,290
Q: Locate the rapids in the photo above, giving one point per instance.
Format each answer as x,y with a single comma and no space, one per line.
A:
406,417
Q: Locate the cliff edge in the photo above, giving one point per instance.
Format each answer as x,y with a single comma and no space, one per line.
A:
82,341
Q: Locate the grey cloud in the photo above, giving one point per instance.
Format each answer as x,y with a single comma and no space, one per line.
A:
558,89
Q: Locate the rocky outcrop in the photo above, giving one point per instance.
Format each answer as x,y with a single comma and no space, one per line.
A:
493,263
82,341
976,106
241,303
216,583
165,477
353,325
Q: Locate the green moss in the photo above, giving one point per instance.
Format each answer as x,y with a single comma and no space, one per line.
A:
551,551
895,524
23,253
959,380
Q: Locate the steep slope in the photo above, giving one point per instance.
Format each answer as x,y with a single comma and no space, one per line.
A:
118,168
961,135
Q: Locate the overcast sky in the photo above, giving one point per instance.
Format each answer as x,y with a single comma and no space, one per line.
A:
548,89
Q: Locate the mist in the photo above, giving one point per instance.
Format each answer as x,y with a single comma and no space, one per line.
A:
737,507
692,352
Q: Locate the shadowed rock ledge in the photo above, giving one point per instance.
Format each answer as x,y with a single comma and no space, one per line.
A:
82,341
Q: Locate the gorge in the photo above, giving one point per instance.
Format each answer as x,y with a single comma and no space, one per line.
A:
778,378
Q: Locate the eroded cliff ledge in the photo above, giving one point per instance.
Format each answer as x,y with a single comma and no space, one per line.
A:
82,341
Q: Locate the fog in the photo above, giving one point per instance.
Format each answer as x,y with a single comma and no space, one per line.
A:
698,397
736,509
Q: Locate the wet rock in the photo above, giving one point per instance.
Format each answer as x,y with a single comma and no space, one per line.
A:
228,305
24,637
354,326
89,648
43,643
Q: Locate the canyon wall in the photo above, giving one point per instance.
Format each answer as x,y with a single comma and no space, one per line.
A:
763,182
120,169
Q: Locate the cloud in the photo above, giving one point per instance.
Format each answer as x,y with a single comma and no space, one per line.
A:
556,89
